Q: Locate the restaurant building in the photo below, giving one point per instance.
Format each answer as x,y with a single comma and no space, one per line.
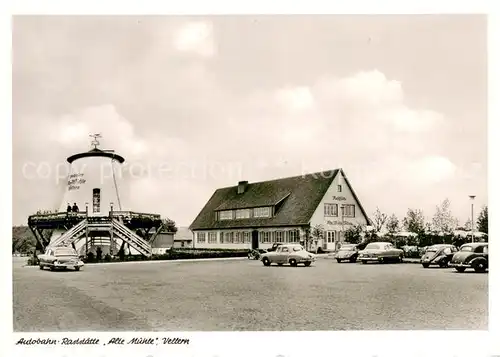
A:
256,215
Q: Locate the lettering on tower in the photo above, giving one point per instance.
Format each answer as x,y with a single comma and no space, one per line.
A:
74,181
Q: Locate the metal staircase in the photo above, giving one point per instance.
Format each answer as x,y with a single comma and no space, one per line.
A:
71,235
134,241
104,224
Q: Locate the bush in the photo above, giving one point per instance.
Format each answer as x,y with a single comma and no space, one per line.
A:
175,254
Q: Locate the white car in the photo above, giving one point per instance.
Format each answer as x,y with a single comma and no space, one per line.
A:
292,254
60,258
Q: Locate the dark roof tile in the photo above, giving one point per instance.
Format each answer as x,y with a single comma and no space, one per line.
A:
303,195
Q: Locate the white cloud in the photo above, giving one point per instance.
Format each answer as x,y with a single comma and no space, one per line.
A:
71,132
295,99
195,37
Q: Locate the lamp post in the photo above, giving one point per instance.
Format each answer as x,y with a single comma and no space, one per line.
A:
472,216
342,208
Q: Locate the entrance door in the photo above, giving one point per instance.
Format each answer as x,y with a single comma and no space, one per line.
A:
255,239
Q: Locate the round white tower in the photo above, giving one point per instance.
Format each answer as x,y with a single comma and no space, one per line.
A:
94,181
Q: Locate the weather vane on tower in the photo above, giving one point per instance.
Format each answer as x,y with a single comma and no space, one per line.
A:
95,142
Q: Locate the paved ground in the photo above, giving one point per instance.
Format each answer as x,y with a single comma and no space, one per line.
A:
245,295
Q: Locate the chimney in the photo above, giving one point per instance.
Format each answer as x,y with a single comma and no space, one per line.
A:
242,186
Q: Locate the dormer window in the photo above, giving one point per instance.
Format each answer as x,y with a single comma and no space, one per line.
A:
242,213
339,188
262,212
224,215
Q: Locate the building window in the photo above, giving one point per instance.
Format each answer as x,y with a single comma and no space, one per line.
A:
349,211
292,236
239,238
339,188
242,213
227,237
262,212
223,215
279,237
212,237
331,210
330,237
201,237
265,237
246,236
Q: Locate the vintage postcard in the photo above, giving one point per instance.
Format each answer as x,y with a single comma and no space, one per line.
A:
176,179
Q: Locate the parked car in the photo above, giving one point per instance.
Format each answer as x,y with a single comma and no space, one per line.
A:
60,258
292,254
438,254
471,255
347,252
380,252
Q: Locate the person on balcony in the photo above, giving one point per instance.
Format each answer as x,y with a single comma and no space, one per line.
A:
75,208
68,209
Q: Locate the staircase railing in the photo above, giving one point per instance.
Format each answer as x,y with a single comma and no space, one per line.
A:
131,238
75,230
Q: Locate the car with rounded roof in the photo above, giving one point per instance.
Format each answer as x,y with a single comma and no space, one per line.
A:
292,254
438,254
471,255
381,252
60,258
348,252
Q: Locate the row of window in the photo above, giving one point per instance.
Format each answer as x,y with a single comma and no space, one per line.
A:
332,210
238,237
258,212
291,236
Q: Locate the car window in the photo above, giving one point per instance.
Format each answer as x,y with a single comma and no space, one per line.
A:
447,250
485,249
479,249
454,249
297,249
466,248
372,246
284,249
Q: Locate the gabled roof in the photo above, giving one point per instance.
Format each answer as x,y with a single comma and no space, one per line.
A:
299,196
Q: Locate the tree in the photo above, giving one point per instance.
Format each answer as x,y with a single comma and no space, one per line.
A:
317,232
392,224
482,220
379,220
169,225
443,221
353,234
414,221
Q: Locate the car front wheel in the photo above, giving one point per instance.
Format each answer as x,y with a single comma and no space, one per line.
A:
266,262
293,262
307,264
338,260
460,269
77,268
41,267
425,265
480,267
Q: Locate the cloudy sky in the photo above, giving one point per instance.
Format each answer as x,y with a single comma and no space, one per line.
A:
197,103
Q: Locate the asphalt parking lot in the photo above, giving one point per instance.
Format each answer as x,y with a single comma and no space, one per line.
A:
245,295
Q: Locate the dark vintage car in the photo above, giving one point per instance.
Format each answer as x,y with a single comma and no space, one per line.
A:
438,254
471,255
348,252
